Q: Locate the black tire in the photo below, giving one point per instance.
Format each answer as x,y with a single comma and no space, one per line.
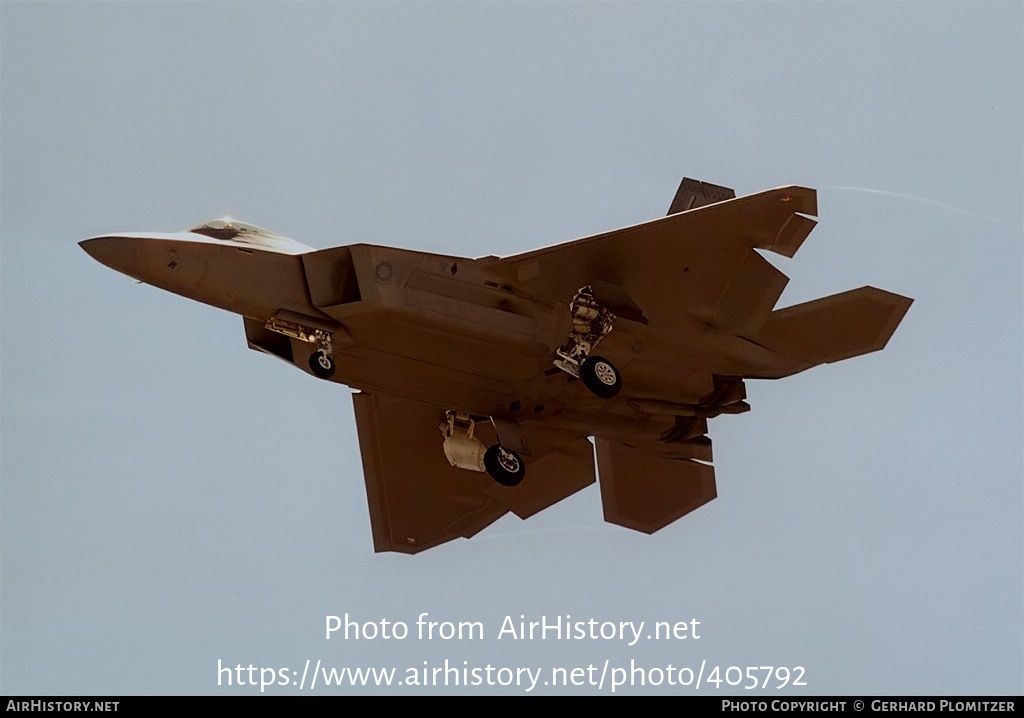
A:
504,465
601,377
321,364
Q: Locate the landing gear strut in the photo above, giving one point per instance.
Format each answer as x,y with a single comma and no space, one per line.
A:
590,323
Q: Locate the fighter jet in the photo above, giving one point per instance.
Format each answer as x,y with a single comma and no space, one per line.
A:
480,382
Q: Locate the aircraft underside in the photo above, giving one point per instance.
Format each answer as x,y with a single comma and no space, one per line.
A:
492,385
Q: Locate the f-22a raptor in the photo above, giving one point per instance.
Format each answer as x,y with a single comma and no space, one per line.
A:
481,381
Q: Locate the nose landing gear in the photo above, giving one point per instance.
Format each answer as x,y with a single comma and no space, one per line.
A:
321,364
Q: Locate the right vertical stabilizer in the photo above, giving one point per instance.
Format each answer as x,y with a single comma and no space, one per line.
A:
694,193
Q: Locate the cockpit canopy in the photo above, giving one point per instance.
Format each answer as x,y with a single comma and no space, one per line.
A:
227,228
233,230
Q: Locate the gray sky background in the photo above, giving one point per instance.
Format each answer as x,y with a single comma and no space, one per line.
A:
171,499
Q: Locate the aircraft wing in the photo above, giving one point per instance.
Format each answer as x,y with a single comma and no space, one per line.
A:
418,501
698,261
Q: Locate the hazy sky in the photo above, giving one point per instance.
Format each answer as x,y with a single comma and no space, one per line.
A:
171,500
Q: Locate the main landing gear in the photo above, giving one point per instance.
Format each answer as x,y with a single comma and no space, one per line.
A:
600,376
590,323
504,465
465,451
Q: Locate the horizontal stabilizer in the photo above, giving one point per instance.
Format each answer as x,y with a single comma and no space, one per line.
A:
646,491
834,328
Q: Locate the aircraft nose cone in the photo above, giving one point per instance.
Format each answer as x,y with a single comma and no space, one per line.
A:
110,251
